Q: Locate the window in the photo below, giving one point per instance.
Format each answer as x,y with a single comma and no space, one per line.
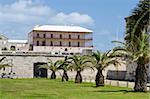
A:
37,43
43,43
51,35
78,36
69,44
147,66
66,49
4,69
51,43
69,36
60,36
63,53
44,35
78,44
71,53
56,52
13,48
37,35
60,43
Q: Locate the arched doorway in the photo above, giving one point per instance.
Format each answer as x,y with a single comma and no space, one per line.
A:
39,72
13,48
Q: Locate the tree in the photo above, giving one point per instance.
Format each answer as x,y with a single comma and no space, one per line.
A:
4,63
79,63
137,24
64,65
141,57
53,66
100,62
138,21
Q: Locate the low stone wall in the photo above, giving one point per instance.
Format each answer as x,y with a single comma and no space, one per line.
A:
115,83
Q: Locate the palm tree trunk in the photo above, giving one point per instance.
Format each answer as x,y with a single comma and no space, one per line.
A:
78,78
141,77
99,78
65,76
53,75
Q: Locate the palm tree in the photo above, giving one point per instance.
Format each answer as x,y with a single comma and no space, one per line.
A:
138,23
138,20
79,63
141,57
53,66
100,62
4,63
64,65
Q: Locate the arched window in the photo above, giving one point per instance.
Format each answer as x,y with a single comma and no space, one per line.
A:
51,35
43,43
60,43
4,69
13,48
60,36
69,36
51,43
78,36
78,44
44,35
37,43
69,44
37,35
66,49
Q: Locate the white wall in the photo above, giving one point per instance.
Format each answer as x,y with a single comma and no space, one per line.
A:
60,49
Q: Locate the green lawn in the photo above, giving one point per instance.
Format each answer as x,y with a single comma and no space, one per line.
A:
55,89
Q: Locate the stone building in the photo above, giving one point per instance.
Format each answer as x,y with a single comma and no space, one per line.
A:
12,45
53,42
44,42
60,39
18,45
3,42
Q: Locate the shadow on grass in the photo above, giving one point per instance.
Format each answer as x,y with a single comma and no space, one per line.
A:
124,91
118,91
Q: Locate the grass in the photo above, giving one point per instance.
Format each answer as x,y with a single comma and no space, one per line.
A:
55,89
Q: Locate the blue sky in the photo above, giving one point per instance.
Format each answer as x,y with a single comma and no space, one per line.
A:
104,17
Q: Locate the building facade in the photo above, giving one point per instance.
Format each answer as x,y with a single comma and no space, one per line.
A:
18,45
3,42
60,39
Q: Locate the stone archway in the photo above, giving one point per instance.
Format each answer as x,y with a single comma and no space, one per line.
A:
39,72
13,48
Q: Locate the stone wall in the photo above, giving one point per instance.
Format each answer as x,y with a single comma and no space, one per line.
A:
23,66
131,71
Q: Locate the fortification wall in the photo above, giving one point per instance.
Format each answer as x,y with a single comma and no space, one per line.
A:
23,66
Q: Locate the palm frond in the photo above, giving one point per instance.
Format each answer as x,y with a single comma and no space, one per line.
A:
119,42
4,65
2,59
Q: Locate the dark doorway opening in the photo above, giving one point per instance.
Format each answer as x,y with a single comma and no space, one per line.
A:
13,48
39,72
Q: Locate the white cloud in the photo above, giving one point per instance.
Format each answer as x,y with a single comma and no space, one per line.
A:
72,18
23,11
24,14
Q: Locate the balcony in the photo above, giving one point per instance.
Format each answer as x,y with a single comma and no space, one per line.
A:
55,38
90,46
